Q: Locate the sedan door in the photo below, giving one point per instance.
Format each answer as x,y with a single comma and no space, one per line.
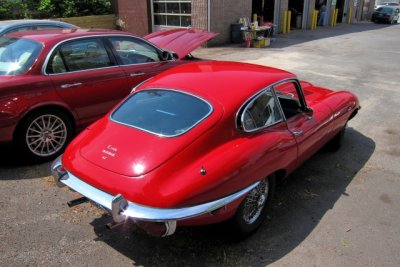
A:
139,59
87,77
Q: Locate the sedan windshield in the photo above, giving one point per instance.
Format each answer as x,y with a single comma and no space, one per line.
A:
385,10
17,55
162,112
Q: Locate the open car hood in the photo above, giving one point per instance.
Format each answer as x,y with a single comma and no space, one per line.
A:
180,41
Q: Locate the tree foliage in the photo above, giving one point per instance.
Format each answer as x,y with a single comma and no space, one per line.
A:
18,9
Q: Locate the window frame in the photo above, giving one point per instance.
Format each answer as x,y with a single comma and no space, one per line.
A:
303,105
245,106
180,15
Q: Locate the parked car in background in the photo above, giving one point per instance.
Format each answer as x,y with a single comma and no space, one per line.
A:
54,83
202,143
394,5
385,14
8,26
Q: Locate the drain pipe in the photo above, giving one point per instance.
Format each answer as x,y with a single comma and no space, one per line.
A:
208,15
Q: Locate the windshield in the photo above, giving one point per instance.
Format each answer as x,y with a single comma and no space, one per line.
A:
17,55
385,10
162,112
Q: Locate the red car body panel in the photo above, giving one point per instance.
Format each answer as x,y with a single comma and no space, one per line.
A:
180,41
170,175
97,90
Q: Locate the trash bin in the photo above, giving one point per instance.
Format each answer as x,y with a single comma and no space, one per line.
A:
236,34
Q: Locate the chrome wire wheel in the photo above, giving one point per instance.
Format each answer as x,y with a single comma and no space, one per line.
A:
46,135
255,202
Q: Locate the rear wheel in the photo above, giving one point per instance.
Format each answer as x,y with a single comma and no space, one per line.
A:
44,134
252,211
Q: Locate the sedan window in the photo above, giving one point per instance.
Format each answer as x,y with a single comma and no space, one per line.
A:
162,112
21,29
261,112
17,55
133,51
79,55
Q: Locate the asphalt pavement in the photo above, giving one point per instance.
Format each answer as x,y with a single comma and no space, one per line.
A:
338,209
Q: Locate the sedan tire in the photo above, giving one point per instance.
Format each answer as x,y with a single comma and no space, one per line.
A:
252,211
44,134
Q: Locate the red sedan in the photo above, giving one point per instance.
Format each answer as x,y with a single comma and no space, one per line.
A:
54,83
202,143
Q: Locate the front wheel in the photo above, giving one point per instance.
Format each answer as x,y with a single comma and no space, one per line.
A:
337,140
252,211
44,134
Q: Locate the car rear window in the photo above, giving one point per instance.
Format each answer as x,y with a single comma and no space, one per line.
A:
162,112
17,55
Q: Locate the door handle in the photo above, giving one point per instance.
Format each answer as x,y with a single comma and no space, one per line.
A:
297,132
69,85
136,74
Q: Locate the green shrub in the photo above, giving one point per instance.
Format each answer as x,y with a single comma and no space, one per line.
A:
18,9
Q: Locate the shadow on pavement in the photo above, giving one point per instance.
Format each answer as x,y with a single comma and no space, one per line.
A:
13,166
299,205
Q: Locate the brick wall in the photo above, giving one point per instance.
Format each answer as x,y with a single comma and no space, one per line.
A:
133,16
199,14
224,13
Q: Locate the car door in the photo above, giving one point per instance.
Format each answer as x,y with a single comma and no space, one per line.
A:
87,77
139,59
269,141
309,127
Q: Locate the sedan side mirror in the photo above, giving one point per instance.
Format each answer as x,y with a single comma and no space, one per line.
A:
167,55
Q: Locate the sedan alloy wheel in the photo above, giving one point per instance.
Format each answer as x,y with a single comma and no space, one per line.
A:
43,135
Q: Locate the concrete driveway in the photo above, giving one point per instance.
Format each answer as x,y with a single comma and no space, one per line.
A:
339,209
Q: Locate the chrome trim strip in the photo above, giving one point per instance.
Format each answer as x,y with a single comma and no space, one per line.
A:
145,213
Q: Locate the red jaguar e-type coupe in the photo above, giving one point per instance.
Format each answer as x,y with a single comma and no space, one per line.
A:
202,143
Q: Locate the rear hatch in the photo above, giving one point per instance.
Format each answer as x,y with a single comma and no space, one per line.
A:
146,130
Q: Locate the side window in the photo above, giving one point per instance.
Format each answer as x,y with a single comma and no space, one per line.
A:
47,27
134,51
79,55
260,112
56,64
288,98
21,29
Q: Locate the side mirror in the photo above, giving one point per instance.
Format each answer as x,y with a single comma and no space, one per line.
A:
167,55
309,113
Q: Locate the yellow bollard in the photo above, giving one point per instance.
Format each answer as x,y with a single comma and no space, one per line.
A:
336,15
315,19
349,13
289,17
284,22
332,18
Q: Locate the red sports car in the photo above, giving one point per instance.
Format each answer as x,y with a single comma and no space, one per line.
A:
54,83
202,143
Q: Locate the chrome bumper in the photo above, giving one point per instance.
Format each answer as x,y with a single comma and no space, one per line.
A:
121,209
